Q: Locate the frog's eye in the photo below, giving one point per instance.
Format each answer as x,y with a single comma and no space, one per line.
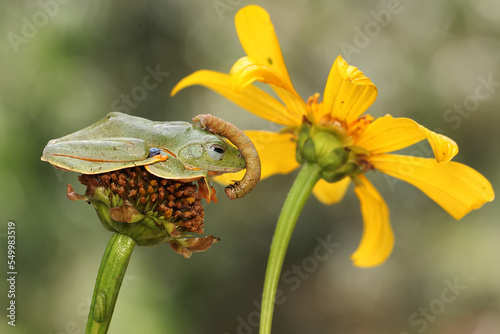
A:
216,152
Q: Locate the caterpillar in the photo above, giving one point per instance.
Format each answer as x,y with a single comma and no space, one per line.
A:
238,189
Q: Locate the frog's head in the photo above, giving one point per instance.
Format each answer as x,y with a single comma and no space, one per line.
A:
215,155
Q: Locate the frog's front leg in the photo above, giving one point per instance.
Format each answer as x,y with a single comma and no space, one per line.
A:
97,156
174,169
206,190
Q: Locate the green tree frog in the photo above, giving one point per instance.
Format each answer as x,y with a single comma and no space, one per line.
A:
170,150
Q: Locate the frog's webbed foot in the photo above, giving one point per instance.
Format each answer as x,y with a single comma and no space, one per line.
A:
157,154
73,195
206,190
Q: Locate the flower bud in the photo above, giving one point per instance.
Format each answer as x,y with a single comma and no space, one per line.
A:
149,209
322,146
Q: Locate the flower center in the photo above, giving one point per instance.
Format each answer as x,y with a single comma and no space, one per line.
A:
149,209
358,126
328,142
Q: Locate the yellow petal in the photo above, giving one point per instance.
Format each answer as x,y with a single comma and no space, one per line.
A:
331,193
378,239
444,148
256,33
245,71
457,188
348,92
292,101
276,152
388,134
252,99
228,178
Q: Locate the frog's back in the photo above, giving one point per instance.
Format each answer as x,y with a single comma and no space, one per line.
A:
119,125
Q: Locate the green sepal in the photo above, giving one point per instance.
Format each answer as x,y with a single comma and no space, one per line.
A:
330,162
309,150
348,169
322,146
146,230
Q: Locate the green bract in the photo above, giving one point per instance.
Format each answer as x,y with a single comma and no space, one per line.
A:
323,146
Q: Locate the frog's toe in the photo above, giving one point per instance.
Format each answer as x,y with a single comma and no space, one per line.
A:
206,191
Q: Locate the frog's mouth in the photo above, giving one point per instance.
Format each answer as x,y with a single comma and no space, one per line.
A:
216,171
213,173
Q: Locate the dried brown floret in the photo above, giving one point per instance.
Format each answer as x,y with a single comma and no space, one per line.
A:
179,202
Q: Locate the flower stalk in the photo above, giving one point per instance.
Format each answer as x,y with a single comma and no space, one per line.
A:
144,210
302,187
109,280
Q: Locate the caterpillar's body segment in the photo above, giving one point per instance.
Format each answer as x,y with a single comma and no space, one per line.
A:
244,145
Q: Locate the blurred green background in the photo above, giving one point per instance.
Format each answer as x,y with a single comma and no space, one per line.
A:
65,64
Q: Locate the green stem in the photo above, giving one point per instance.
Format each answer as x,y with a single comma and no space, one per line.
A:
109,280
295,200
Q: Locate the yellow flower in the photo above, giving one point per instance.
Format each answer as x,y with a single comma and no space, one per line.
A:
457,188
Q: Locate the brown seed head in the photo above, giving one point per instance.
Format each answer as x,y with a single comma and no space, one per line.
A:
176,201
